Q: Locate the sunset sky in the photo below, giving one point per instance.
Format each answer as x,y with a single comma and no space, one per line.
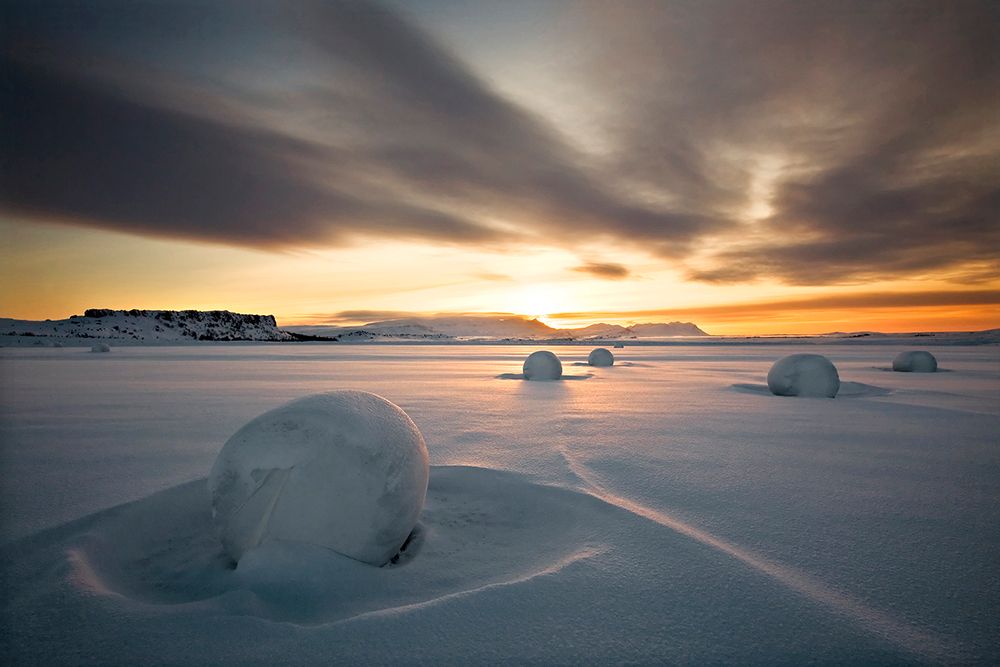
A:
754,166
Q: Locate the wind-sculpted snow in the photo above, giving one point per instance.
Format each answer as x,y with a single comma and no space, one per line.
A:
481,528
542,365
803,375
914,361
601,357
668,511
344,470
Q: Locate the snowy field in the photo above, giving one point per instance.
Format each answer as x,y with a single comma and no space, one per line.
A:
667,509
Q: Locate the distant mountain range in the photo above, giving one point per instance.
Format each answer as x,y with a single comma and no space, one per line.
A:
169,326
494,327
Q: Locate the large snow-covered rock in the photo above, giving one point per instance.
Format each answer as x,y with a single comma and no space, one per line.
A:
914,361
345,470
100,347
600,357
542,365
804,375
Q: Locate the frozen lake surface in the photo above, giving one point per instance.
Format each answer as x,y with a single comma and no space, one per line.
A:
667,509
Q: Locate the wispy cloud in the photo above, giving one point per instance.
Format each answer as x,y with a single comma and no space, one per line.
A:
607,270
862,133
763,309
866,130
389,135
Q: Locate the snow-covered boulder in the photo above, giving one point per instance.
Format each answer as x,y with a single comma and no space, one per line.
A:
542,365
100,347
345,470
601,357
914,361
803,375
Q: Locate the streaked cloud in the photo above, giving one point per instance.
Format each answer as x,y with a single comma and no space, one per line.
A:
607,270
757,310
382,133
804,143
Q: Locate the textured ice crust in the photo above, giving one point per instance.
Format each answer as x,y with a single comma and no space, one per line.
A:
542,365
914,361
345,470
804,375
601,357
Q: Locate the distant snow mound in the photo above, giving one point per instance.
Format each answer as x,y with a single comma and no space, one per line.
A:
100,347
542,365
345,470
804,375
914,361
600,357
619,346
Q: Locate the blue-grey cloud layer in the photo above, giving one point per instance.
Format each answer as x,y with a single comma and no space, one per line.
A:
283,125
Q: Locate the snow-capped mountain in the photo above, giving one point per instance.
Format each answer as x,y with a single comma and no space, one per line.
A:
667,330
500,326
150,326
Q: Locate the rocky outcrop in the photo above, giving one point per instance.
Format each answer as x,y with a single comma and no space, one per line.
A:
153,326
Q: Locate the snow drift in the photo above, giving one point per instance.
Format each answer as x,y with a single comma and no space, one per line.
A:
345,470
803,375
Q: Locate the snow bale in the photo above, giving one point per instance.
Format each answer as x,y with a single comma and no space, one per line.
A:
542,365
914,361
344,470
803,375
100,347
601,357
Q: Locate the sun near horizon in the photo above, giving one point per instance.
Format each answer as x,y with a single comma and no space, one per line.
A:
470,159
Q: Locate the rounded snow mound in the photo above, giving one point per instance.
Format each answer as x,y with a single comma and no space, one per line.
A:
803,375
345,470
601,357
100,347
542,365
914,361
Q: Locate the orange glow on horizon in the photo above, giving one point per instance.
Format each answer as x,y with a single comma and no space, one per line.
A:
52,272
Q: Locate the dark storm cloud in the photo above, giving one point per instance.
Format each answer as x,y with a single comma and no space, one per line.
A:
609,270
74,151
871,128
388,135
881,116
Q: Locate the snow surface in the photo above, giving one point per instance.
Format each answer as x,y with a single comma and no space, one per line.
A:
601,357
542,365
914,361
804,375
699,521
345,470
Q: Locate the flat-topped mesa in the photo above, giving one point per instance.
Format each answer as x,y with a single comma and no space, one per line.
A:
192,315
169,325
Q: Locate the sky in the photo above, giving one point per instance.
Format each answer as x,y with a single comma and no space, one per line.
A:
752,166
